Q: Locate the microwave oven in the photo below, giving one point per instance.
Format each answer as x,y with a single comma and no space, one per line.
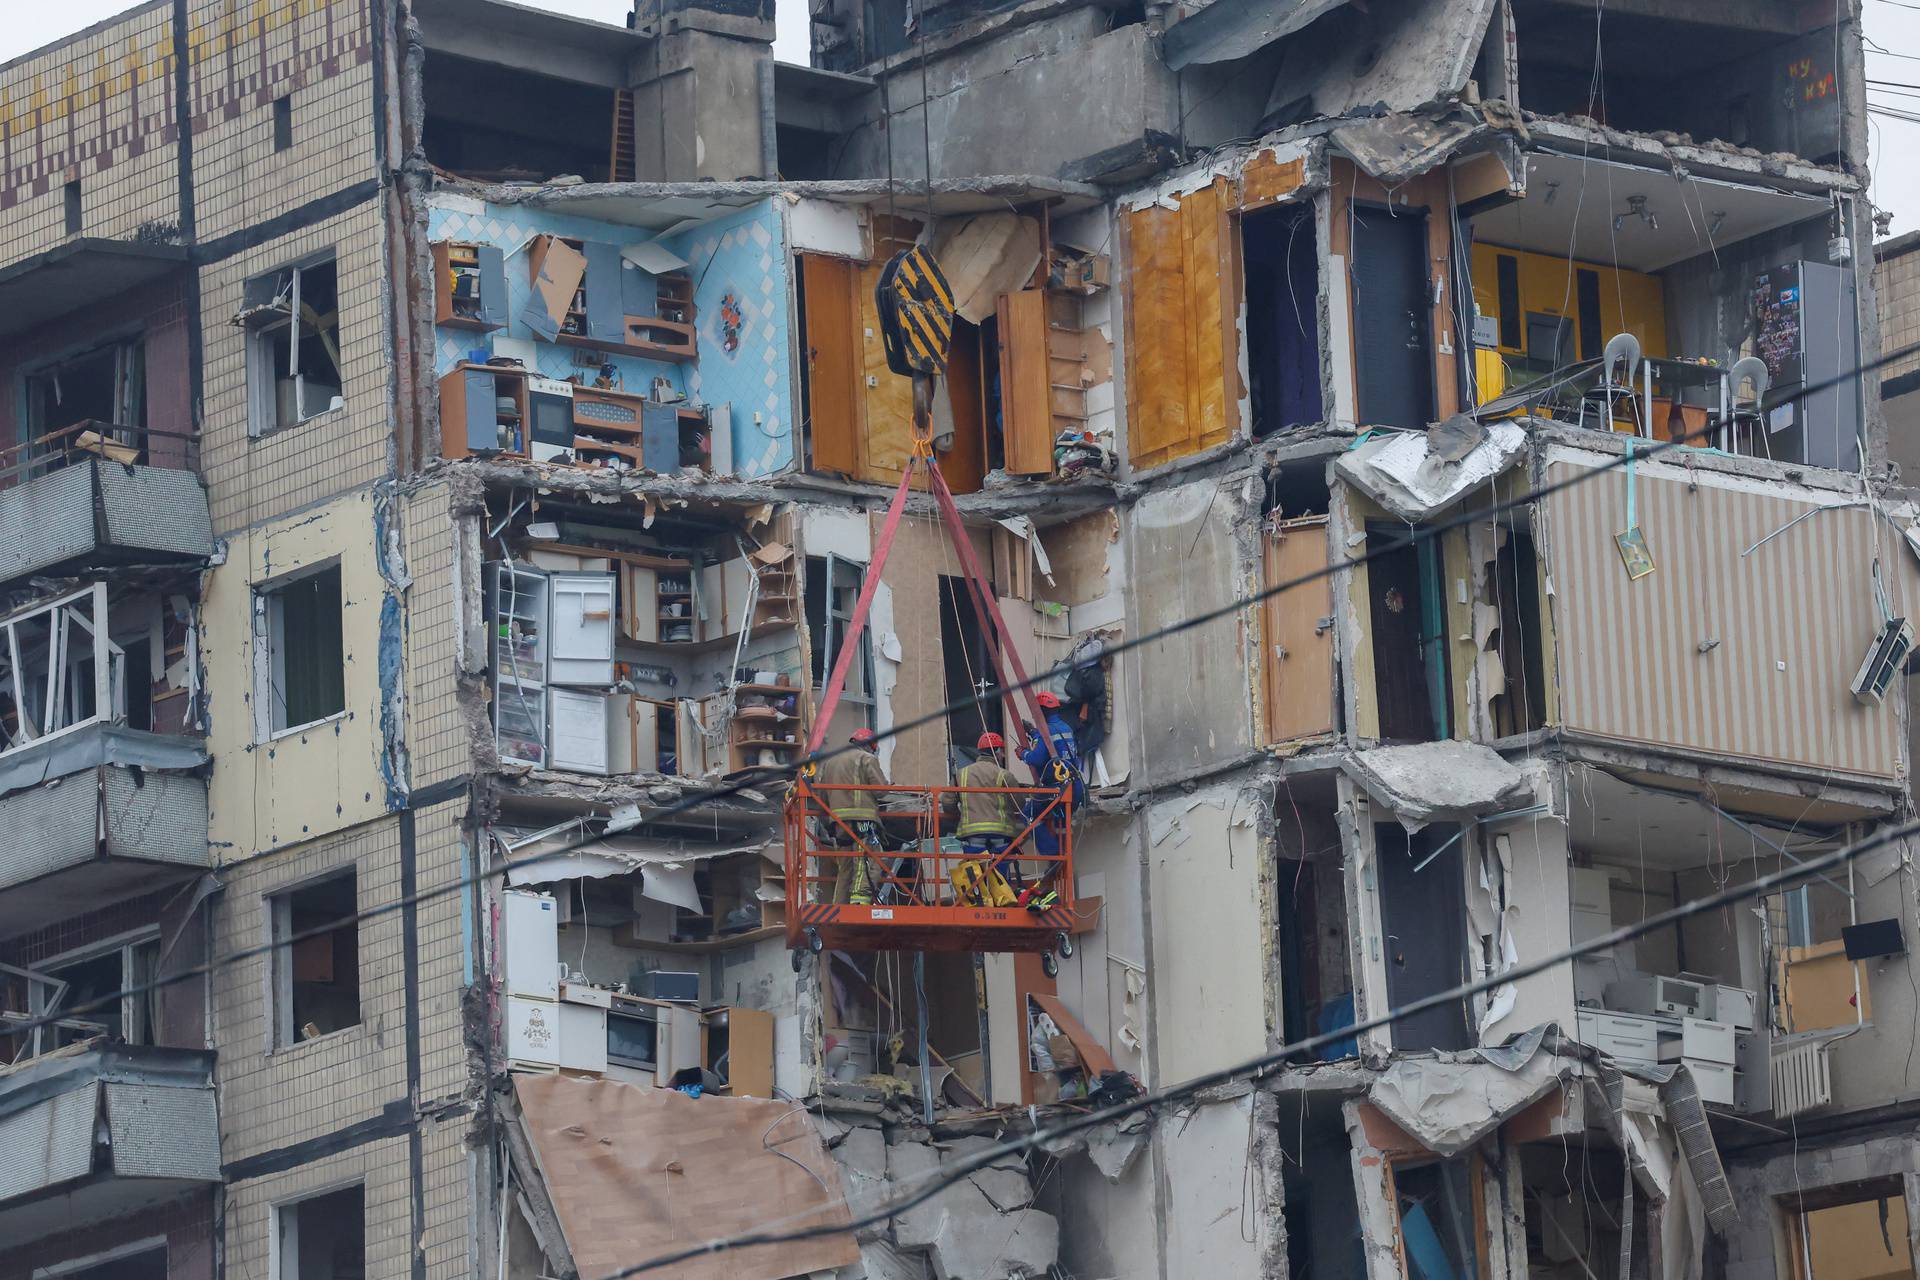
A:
1653,995
549,419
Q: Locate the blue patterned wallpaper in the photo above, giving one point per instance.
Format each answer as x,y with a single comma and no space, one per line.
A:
739,265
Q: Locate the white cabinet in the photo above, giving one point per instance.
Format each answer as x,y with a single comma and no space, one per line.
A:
1622,1036
580,718
1734,1005
517,619
1714,1080
580,639
1590,889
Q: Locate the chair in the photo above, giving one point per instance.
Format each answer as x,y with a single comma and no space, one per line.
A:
1747,381
1619,363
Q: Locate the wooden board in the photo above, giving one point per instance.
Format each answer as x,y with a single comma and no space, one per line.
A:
558,269
886,397
1264,180
832,379
1296,651
749,1053
1025,390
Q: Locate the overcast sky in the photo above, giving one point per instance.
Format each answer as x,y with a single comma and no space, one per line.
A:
1894,25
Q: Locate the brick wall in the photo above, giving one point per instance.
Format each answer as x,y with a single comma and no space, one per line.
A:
319,55
254,479
185,1224
99,109
1897,284
379,1167
274,1097
437,742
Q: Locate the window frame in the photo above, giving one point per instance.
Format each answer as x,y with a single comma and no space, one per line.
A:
125,944
278,1222
269,658
263,322
278,905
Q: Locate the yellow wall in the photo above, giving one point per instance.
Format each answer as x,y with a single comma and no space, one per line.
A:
295,788
1629,301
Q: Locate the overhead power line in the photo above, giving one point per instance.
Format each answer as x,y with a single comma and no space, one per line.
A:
765,775
1267,1062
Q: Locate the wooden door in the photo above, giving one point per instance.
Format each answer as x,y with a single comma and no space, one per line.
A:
832,391
1297,632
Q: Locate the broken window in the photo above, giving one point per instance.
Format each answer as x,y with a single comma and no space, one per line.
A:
59,669
1282,264
300,676
1409,633
142,1261
94,983
1853,1233
316,967
1316,975
1439,1211
833,588
107,386
283,123
324,1237
1519,705
292,319
969,671
1574,1209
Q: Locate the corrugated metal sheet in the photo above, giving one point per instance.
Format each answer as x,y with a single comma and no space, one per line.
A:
161,817
1792,620
163,1131
48,1143
46,520
155,509
51,518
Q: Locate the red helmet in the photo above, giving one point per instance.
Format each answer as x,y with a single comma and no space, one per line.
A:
991,742
1048,700
864,738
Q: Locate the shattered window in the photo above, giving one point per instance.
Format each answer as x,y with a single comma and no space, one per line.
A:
1437,1217
292,318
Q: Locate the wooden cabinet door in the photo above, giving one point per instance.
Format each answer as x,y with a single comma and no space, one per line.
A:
1026,392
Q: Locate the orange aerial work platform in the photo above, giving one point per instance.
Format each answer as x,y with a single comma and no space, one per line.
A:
927,894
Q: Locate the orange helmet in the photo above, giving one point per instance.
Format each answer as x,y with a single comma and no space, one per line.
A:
1048,700
991,742
864,738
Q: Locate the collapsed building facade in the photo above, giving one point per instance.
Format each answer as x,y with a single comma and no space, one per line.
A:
450,444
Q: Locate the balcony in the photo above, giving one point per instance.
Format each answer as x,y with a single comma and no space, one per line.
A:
97,1131
93,494
118,816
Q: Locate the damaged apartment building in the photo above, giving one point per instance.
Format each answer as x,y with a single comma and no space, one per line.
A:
451,457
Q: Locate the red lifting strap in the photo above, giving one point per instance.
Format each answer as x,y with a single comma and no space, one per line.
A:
1001,651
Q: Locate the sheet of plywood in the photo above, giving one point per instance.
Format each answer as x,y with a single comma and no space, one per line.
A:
965,464
833,380
1818,988
635,1172
886,397
1265,180
920,555
1296,640
1025,383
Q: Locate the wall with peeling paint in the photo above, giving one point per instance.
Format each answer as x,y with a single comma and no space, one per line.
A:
330,776
1208,962
1191,552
